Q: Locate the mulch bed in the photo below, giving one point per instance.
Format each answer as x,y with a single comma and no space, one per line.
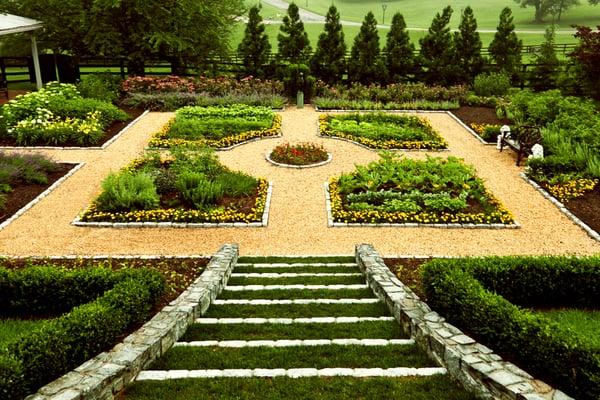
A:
111,131
408,270
479,115
22,194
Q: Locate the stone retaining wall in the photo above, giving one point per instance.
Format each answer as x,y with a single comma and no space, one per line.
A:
105,375
476,366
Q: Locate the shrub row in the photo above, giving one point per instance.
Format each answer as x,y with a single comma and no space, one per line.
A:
61,344
172,101
478,294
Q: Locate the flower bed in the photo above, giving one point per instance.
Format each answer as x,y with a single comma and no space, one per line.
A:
57,115
383,131
188,187
218,127
300,154
398,190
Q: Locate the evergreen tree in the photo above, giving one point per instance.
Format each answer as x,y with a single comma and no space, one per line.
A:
437,54
399,51
544,74
329,60
365,65
294,45
255,47
505,48
467,46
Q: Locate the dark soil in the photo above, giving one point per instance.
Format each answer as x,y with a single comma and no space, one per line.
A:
479,115
586,208
408,270
21,194
111,131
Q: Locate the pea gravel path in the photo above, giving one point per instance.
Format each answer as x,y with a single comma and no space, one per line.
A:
297,223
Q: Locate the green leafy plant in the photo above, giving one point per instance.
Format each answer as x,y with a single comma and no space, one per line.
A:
104,86
492,84
128,191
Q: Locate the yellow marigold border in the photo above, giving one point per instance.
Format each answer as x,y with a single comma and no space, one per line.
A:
438,144
161,140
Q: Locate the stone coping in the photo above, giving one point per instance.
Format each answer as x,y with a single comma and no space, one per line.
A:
589,230
264,222
104,146
105,375
319,164
476,366
332,224
468,129
42,195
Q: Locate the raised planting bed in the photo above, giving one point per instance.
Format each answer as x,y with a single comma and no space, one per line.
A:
218,127
483,121
25,177
184,187
383,131
57,115
299,155
86,311
433,192
489,298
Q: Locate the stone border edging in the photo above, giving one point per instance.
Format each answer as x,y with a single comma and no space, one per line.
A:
42,195
468,128
105,375
332,224
410,111
476,366
319,164
104,146
233,146
264,221
563,209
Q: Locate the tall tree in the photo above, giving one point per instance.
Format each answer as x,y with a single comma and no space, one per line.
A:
294,45
540,6
586,57
505,48
437,50
557,7
544,74
365,64
467,46
329,61
255,47
399,51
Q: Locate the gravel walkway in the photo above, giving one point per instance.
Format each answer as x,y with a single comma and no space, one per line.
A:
297,223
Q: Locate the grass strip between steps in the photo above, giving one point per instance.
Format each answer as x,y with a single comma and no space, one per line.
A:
301,280
299,294
295,260
359,330
279,270
297,310
332,356
425,388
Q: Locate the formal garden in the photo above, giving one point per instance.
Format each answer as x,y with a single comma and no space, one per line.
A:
200,232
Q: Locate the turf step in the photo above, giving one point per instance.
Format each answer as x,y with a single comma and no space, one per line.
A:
267,275
298,280
296,343
294,265
298,294
297,310
312,320
398,372
358,330
239,288
297,269
266,302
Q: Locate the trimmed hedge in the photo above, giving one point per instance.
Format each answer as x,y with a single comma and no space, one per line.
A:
477,294
123,300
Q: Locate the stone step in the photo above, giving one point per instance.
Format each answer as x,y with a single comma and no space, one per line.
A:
292,373
296,343
291,274
290,265
238,288
313,320
267,302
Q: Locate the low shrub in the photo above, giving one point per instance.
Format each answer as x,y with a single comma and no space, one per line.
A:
493,84
299,154
324,103
394,93
103,86
484,297
81,108
128,191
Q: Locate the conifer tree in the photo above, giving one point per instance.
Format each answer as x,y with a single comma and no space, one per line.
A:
467,47
328,62
255,47
437,54
505,48
293,42
365,64
399,51
544,74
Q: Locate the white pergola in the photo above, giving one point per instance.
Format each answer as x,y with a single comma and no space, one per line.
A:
14,24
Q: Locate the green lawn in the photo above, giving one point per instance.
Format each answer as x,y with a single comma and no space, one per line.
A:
297,310
584,322
300,280
10,329
298,294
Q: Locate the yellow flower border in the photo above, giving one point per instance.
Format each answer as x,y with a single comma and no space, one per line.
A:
339,214
572,189
161,140
437,144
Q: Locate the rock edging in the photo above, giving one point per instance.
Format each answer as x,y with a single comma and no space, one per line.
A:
105,375
476,366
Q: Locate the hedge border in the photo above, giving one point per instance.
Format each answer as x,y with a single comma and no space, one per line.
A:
476,366
105,375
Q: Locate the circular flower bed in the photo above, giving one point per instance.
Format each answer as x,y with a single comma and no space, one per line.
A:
299,155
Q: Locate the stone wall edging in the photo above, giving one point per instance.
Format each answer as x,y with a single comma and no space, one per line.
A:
477,367
104,376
